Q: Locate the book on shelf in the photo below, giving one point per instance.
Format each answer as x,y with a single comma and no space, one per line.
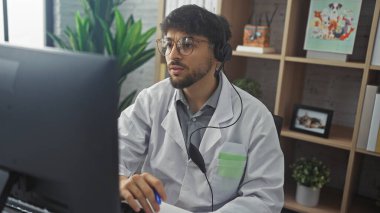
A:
253,49
375,123
331,27
365,120
376,48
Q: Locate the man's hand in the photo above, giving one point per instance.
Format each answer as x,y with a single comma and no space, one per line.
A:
140,187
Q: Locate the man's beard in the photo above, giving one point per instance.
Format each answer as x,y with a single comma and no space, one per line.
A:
191,78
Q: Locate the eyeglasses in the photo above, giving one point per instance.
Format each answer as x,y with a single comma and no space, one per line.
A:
185,45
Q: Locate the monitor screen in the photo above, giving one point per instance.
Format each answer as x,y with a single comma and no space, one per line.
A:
58,130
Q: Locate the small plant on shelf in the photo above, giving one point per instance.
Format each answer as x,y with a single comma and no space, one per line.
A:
250,86
311,175
310,172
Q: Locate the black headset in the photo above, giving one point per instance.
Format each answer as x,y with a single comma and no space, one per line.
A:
223,50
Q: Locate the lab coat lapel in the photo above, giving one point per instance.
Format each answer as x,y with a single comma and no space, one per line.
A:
172,126
222,114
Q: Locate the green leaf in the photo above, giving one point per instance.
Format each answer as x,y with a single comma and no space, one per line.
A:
145,36
58,41
132,34
72,39
138,49
109,41
121,30
121,80
130,21
143,57
79,29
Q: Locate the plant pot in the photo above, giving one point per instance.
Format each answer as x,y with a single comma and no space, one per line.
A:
307,196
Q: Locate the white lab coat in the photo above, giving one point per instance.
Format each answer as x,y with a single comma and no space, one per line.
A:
151,141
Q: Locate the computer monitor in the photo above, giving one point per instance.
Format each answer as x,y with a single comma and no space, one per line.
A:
58,130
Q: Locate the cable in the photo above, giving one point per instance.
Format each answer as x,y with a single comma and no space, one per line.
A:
212,194
193,152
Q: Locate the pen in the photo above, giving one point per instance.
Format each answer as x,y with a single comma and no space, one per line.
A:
157,197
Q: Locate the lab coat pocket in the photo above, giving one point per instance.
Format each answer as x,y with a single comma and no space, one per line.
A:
229,171
231,165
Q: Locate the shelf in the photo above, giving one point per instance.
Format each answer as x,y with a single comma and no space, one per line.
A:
375,67
363,151
357,65
272,56
329,200
361,204
340,137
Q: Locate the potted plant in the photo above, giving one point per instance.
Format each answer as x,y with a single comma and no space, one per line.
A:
250,86
311,175
102,29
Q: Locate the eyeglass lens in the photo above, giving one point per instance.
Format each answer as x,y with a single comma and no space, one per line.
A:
184,45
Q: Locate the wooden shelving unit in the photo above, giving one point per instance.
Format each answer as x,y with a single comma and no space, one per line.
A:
372,67
272,56
357,65
368,152
292,64
340,137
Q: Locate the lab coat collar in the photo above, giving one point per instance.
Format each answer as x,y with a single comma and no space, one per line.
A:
222,114
172,126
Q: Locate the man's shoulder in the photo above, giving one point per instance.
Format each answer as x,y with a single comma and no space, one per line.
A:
159,90
250,100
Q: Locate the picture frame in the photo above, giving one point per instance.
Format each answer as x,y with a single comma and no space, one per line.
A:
332,25
311,120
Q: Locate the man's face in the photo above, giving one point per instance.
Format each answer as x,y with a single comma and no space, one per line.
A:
190,59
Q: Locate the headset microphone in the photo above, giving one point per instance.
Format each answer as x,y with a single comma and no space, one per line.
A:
197,158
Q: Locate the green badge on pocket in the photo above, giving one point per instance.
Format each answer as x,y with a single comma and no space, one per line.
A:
231,165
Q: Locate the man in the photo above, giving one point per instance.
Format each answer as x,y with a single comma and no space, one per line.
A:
159,134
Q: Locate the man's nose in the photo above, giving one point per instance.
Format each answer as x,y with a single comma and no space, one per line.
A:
175,53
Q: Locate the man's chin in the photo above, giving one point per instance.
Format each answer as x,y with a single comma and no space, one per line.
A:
180,83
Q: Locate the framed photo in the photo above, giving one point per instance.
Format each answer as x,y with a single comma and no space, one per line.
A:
311,120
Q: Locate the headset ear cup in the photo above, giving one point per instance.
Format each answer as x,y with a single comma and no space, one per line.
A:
223,53
217,53
227,52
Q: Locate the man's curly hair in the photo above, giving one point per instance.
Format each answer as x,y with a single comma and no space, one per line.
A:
196,20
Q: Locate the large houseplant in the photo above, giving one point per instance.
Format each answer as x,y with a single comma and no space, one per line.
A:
102,29
311,175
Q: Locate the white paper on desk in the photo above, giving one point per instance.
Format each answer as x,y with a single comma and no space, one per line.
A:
167,208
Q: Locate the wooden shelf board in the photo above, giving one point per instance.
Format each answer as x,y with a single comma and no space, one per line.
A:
357,65
360,204
329,201
340,137
363,151
272,56
375,67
